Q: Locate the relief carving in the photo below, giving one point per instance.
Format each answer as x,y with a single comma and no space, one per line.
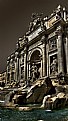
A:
52,44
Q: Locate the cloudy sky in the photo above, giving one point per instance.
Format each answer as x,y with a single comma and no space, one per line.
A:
15,16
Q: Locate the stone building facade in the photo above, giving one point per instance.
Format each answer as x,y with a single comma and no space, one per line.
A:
43,51
3,79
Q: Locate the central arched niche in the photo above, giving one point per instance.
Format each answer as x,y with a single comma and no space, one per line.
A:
35,65
35,57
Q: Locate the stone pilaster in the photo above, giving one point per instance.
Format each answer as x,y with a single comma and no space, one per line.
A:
60,49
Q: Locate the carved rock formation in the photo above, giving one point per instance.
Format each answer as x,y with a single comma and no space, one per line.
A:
40,92
58,100
33,94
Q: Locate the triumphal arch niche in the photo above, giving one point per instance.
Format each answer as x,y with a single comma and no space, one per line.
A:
35,61
43,51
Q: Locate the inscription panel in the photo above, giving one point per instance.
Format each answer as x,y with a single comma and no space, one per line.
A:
34,34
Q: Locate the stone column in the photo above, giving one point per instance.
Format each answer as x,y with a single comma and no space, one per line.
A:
41,67
7,71
64,13
10,69
60,49
25,63
44,56
19,67
5,78
29,70
28,63
66,49
47,50
16,67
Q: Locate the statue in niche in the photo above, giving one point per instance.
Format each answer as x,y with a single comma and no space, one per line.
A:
34,72
54,66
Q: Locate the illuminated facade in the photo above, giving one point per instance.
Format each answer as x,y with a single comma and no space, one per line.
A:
43,51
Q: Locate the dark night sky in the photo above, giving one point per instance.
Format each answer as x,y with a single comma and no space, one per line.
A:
15,16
